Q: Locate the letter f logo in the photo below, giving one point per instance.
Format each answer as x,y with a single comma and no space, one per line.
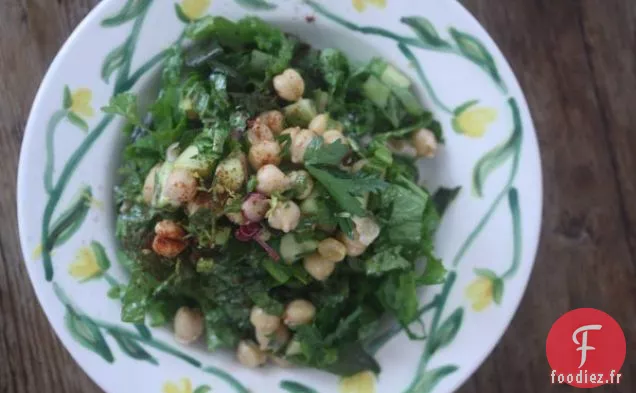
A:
584,347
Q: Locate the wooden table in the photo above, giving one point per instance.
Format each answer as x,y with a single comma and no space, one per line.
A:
576,60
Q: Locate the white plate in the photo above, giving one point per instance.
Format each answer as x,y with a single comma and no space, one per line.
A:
69,157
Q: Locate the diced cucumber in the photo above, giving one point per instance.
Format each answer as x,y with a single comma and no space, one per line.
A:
408,99
159,199
321,98
190,160
301,113
291,250
222,235
309,206
376,91
395,78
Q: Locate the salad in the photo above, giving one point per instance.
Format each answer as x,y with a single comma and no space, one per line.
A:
269,199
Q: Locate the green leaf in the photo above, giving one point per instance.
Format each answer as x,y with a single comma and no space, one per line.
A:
385,261
428,380
319,153
494,159
260,5
180,14
425,31
124,104
343,187
132,348
129,11
434,273
475,51
203,389
296,387
67,101
398,294
77,121
443,197
87,334
353,359
447,331
335,69
497,290
115,59
69,222
279,271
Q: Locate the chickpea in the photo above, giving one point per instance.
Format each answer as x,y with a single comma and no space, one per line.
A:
302,183
332,250
331,136
425,143
402,147
289,85
255,207
299,145
318,266
249,355
264,322
181,187
231,173
299,312
263,153
169,239
270,179
274,120
275,340
188,325
169,229
319,124
367,229
284,216
292,132
258,133
354,247
149,184
281,362
236,217
201,201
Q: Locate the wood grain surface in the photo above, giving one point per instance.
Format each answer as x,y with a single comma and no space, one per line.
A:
576,60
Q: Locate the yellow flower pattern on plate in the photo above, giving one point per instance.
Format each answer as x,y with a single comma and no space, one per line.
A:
363,382
480,292
86,265
361,5
183,386
473,121
81,102
195,9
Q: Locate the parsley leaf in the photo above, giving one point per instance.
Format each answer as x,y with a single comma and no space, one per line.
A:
124,104
387,260
344,187
319,153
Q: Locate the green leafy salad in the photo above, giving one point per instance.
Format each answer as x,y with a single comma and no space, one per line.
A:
269,199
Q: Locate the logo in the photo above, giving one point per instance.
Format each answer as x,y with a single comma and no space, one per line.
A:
586,348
